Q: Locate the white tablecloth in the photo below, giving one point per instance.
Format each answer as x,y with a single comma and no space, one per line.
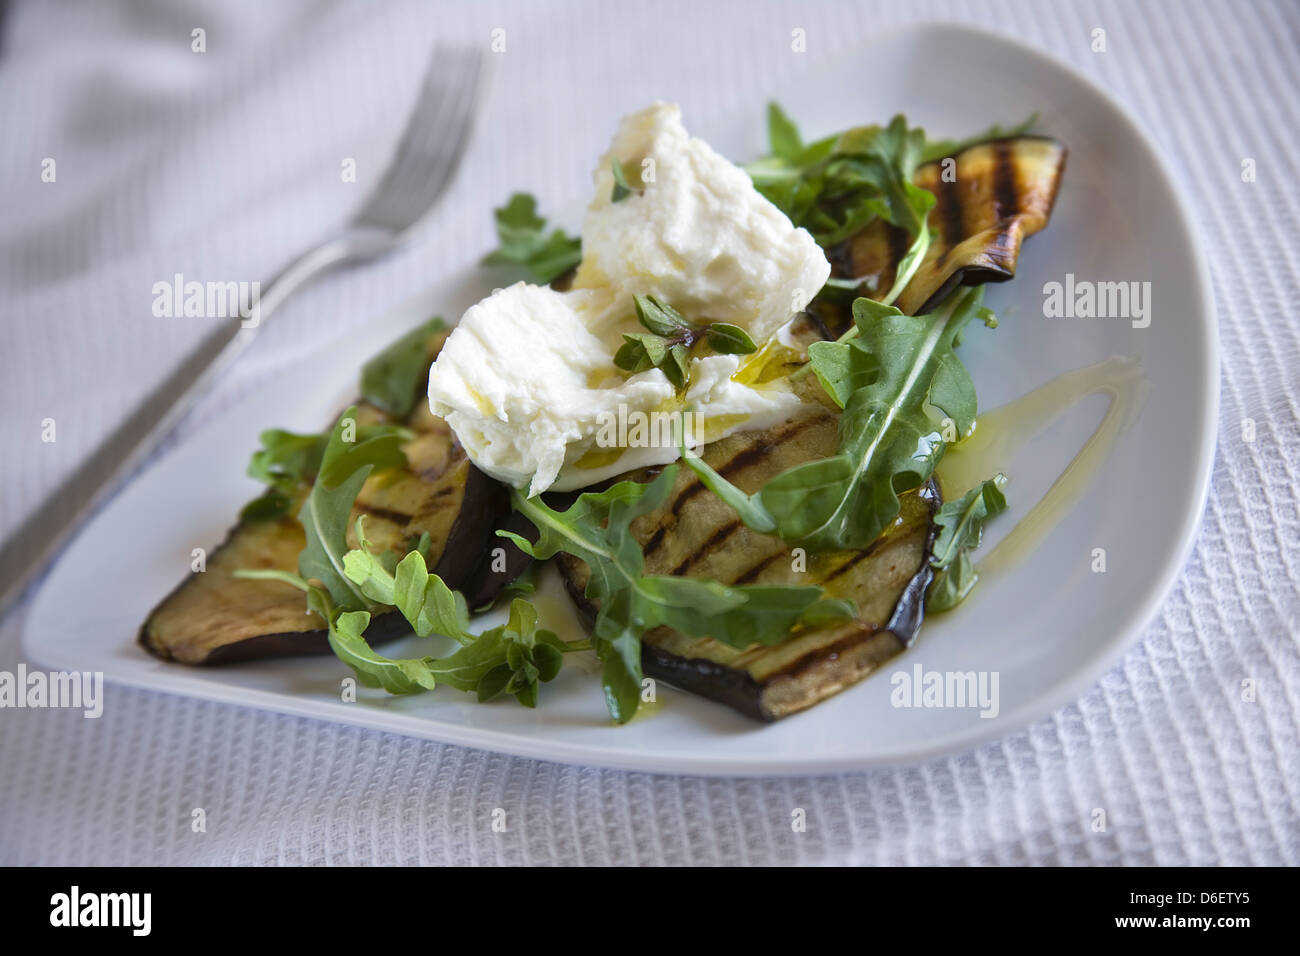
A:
226,163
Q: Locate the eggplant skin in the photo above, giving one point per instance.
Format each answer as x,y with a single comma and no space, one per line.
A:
768,683
501,563
696,534
228,620
213,617
998,193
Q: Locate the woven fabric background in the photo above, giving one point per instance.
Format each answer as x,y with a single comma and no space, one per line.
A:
227,164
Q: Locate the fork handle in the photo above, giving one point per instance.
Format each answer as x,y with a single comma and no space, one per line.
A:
33,545
355,245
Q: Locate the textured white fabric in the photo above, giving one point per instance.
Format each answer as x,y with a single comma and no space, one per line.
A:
227,163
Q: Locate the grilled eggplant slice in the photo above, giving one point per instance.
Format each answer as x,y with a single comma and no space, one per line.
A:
698,535
214,618
999,192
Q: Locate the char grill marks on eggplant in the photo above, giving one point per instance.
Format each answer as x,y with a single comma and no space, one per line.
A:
213,617
988,199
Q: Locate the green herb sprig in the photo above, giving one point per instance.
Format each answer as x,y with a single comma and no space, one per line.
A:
670,337
524,241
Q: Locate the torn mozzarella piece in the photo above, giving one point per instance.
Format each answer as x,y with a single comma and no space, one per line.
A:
527,379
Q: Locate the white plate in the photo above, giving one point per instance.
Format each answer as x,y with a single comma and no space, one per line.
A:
1049,628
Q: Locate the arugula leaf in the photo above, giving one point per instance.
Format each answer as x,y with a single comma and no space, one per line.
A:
597,529
961,522
347,640
385,561
324,514
390,381
524,241
838,185
467,668
513,658
397,676
782,134
510,659
420,595
271,505
961,528
889,435
952,585
532,655
285,460
368,571
749,508
286,457
897,382
427,603
938,149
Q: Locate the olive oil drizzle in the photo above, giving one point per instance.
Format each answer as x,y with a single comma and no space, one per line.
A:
1000,435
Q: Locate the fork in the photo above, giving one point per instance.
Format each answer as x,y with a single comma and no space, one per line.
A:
426,159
